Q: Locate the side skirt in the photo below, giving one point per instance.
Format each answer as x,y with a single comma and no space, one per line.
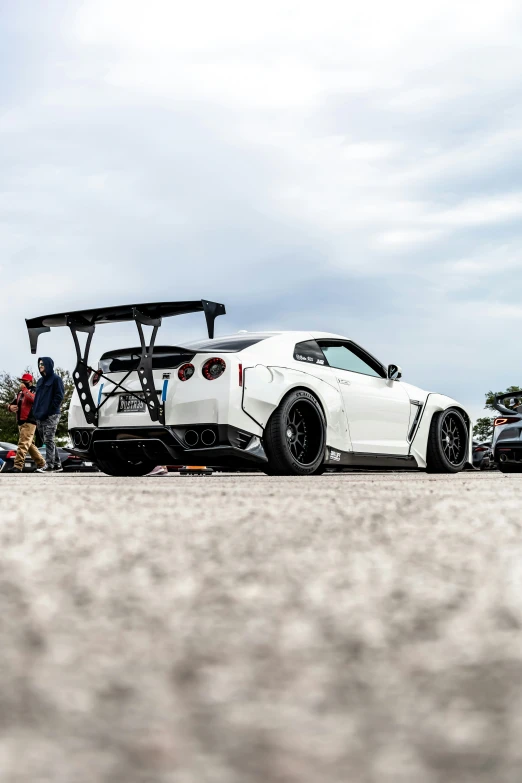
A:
355,459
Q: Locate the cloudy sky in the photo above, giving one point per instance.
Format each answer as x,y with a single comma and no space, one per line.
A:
353,167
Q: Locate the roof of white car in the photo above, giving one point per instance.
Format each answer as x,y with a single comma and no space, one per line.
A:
228,342
296,333
327,335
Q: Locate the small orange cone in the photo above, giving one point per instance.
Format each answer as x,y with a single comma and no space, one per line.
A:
195,470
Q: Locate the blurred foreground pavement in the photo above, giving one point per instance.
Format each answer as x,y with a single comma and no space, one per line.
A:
244,629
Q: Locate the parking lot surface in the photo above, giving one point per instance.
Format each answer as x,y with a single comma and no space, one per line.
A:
238,628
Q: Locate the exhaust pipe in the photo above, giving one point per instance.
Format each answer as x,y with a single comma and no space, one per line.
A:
503,458
208,437
85,438
191,438
77,438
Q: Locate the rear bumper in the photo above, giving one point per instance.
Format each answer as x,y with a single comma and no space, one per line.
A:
508,451
166,445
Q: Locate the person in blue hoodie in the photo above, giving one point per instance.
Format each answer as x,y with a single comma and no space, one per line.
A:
47,411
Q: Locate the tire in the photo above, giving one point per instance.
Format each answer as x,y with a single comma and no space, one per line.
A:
448,441
508,467
295,436
121,468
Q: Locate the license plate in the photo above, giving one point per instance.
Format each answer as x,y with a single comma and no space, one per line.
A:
88,464
127,403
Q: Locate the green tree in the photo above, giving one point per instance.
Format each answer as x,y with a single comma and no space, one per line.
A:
9,386
483,429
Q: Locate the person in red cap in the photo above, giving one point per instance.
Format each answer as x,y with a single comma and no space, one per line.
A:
22,405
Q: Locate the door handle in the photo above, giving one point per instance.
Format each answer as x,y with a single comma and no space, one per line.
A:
346,383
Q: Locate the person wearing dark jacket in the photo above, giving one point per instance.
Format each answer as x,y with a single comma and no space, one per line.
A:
22,405
46,410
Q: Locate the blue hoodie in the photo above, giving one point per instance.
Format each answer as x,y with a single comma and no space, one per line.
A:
49,392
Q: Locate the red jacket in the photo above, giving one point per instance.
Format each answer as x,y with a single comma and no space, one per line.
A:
24,400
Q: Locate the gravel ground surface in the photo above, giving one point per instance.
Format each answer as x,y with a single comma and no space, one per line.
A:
232,629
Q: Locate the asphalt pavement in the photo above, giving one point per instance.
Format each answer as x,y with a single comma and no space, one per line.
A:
354,628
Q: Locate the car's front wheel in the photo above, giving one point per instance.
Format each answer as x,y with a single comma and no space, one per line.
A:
448,441
295,436
122,468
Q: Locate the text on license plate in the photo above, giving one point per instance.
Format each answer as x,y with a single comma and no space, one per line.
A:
127,403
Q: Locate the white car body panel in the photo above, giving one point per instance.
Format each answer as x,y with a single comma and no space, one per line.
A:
378,413
197,401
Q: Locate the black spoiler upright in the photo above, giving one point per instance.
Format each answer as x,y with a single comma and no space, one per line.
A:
149,314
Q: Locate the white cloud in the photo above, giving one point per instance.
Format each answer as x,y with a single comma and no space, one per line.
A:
501,311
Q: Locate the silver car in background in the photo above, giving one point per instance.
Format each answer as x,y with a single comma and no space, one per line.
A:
507,433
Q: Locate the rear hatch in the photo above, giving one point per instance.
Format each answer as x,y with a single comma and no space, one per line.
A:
120,393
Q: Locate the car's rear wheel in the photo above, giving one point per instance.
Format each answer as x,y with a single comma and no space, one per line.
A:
295,436
122,468
447,450
509,467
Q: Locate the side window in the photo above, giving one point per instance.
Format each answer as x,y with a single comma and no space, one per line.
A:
309,352
345,357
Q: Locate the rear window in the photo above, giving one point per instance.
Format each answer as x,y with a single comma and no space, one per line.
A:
171,356
165,357
232,344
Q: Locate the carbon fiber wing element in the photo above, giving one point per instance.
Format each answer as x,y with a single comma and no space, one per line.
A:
503,408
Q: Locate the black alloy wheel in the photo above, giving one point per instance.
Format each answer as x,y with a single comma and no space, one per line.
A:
296,433
447,450
453,439
295,436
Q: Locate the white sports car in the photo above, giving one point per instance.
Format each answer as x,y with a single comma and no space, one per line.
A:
287,403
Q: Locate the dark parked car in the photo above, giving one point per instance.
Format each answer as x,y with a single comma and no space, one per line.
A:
482,456
70,462
8,453
507,432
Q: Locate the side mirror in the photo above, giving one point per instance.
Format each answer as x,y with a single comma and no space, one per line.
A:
394,372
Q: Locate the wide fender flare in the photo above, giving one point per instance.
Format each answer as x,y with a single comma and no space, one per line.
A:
265,387
435,403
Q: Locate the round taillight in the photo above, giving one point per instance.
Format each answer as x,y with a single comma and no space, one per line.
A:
96,378
213,369
185,372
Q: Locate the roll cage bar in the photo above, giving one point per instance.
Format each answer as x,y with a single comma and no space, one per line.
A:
149,314
502,408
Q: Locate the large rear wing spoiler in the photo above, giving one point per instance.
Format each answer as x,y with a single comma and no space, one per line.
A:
508,395
149,314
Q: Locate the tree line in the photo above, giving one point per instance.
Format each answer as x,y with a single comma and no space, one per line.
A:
9,388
